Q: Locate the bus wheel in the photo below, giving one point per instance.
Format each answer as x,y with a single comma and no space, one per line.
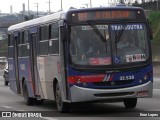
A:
61,106
27,99
130,102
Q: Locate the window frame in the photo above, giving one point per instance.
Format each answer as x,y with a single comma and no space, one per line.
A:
55,38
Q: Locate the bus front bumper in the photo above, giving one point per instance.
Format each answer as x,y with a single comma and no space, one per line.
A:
80,94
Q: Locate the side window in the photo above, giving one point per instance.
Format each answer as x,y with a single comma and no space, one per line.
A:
24,43
25,36
54,32
10,40
19,44
43,33
43,43
53,39
21,37
10,44
18,38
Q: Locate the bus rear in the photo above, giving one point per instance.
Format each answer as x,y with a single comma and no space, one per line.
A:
108,55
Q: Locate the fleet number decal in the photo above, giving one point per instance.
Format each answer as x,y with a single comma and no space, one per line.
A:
129,77
135,58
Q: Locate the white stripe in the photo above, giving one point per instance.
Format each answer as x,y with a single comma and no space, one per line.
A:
156,79
8,107
156,89
49,118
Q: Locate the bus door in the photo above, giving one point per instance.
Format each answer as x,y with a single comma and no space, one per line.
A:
15,62
33,59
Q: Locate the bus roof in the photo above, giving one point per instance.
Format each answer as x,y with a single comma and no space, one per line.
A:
62,15
47,18
118,7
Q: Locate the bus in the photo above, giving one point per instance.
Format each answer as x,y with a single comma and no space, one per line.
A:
82,55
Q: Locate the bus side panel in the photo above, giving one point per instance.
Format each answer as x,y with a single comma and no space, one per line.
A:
52,72
24,72
12,78
41,75
47,70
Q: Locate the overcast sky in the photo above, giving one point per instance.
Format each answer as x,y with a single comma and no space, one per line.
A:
44,6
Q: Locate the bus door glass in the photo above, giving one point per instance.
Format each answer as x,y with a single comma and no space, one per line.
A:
15,57
33,59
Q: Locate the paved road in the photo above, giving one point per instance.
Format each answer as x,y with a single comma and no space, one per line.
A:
103,111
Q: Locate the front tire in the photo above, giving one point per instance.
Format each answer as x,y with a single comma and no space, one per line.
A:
130,102
28,100
61,106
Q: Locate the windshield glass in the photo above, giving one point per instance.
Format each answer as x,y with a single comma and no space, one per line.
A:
86,46
131,46
103,47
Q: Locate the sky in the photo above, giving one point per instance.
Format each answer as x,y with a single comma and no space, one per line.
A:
44,6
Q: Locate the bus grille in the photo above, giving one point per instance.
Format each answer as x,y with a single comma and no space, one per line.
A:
113,94
113,83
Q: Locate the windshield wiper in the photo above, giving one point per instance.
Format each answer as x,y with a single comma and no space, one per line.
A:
120,33
99,34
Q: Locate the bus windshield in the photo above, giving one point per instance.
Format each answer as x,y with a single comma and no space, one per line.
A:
88,48
131,46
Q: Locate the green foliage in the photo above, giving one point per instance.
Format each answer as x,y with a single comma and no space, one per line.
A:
154,19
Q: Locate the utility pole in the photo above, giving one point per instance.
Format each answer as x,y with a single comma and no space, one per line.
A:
49,6
23,11
86,5
11,9
90,3
61,6
37,8
28,10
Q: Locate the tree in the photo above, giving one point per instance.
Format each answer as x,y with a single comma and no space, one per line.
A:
121,1
135,3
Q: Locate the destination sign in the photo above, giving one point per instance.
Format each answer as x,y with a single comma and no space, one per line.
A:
107,15
104,15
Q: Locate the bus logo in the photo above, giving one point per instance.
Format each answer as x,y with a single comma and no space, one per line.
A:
108,77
